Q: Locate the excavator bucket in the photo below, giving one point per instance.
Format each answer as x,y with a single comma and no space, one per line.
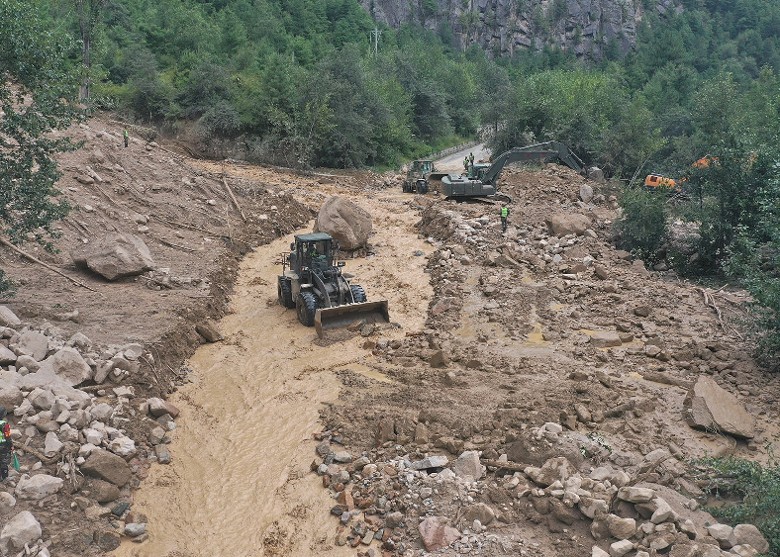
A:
346,315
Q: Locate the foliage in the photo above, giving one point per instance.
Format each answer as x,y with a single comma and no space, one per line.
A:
642,227
35,90
757,488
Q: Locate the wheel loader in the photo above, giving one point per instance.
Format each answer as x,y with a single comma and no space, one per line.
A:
420,175
312,282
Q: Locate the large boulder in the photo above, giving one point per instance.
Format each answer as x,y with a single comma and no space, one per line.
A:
349,224
107,466
20,530
562,224
708,406
6,356
115,255
68,365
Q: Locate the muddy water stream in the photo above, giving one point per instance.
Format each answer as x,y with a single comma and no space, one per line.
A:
239,483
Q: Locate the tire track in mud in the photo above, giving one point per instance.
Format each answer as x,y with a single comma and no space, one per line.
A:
239,482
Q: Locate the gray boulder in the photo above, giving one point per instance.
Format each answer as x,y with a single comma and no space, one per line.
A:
37,487
32,343
68,365
586,193
349,224
10,397
708,406
467,466
20,530
115,255
8,318
107,466
6,356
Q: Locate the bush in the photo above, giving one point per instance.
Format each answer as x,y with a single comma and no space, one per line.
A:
642,227
757,489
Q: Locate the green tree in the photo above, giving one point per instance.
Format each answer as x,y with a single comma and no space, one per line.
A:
36,94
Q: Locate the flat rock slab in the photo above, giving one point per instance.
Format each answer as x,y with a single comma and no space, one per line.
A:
605,339
709,407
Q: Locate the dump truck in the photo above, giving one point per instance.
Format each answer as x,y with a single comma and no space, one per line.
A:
482,178
312,283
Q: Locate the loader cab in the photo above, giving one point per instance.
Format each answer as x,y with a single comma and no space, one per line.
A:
313,251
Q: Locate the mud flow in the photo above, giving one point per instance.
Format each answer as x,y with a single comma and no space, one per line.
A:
239,482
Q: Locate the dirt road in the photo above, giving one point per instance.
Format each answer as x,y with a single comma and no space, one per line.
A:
454,163
244,439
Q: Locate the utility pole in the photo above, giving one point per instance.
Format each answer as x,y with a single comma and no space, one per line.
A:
375,34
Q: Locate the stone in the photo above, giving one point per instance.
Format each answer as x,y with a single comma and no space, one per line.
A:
605,339
348,224
102,491
596,551
52,444
7,502
115,255
134,529
467,466
163,454
37,487
635,494
107,466
11,398
586,193
554,469
7,357
8,318
748,534
721,533
394,519
620,548
436,533
209,331
33,343
159,407
68,365
21,530
596,174
479,511
663,511
123,446
436,461
107,540
102,412
620,528
562,224
41,399
709,407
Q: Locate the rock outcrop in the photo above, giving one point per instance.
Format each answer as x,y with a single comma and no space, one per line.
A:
506,27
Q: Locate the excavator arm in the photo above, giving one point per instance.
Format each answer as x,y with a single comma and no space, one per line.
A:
543,152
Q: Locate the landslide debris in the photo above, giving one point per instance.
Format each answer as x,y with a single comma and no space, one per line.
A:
541,410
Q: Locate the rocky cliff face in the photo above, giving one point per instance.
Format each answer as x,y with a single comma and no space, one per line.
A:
589,28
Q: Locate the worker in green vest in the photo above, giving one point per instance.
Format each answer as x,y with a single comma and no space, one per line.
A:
504,216
6,445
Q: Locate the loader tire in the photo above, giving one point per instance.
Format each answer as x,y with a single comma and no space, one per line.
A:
284,289
358,294
306,307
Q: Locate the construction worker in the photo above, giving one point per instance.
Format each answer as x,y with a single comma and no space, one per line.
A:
127,137
471,159
466,164
504,216
6,445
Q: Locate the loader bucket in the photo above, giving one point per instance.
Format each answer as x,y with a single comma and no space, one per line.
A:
346,315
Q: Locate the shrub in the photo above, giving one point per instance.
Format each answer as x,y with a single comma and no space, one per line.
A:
642,227
757,489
